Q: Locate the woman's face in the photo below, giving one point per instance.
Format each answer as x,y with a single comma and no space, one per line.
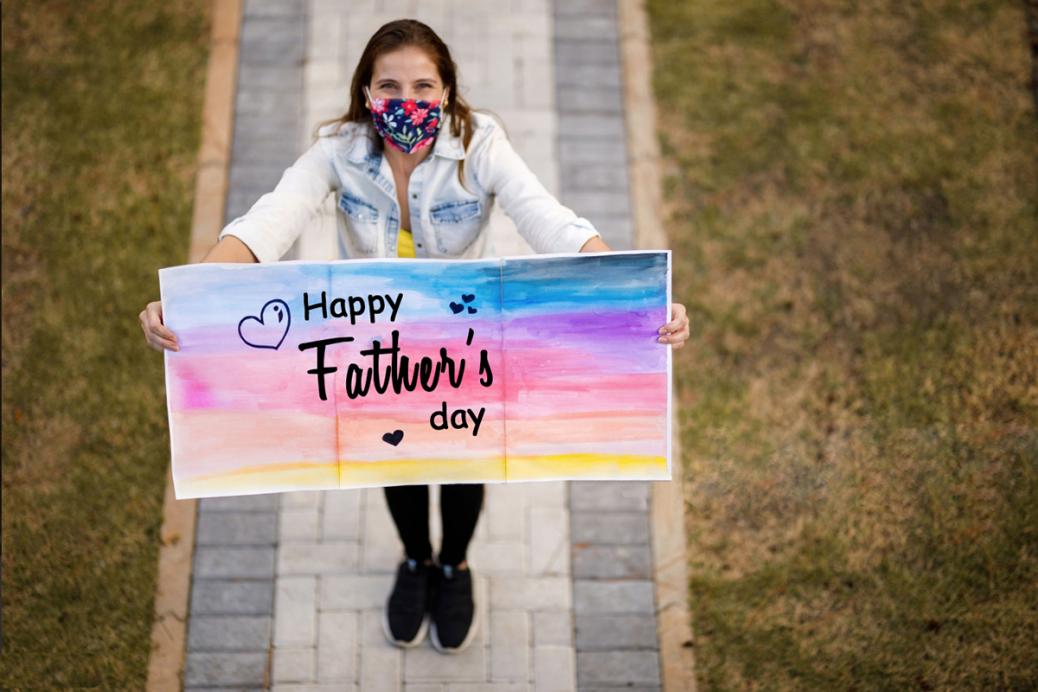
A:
406,73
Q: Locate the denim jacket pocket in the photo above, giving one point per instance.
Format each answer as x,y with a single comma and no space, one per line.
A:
363,220
456,224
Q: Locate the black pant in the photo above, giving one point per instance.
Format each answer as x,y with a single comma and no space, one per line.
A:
460,504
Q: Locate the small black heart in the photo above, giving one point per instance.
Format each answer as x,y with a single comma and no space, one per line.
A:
394,437
456,307
468,297
472,310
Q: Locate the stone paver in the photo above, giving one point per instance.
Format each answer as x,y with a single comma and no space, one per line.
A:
611,562
289,588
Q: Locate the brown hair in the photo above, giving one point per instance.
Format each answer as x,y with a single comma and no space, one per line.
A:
392,36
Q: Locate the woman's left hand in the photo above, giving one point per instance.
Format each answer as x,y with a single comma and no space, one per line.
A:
676,331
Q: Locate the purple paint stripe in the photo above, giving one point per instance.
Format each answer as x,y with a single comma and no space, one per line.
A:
590,324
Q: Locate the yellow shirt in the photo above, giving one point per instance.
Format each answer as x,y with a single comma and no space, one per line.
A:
405,244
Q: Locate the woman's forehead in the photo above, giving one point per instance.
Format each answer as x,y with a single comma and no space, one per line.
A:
406,64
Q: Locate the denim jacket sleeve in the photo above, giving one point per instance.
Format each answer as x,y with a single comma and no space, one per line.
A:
277,218
546,224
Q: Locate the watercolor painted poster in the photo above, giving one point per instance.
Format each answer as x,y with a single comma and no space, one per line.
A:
315,375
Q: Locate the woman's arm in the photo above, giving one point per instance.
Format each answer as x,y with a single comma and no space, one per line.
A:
277,218
595,244
545,223
264,233
230,249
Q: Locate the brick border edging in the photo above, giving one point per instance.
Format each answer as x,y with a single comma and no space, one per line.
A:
673,620
176,548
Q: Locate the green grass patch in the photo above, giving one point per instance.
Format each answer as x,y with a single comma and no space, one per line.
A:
101,123
851,201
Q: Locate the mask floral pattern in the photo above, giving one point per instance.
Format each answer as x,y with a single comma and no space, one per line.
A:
407,124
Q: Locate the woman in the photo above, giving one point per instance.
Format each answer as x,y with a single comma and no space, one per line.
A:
426,194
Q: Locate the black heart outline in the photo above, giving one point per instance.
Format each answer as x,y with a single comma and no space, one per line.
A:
468,297
288,314
456,307
472,310
393,438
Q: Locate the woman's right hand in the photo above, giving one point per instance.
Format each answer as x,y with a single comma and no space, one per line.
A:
227,249
155,332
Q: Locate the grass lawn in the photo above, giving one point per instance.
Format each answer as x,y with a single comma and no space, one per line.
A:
851,197
101,124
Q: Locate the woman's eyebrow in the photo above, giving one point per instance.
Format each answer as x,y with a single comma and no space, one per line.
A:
417,81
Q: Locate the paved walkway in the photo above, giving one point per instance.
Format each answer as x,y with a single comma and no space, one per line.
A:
288,589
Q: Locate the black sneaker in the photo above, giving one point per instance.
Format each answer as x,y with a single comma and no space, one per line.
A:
404,621
454,622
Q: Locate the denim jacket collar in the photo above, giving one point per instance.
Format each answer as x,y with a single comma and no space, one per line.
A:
449,218
446,144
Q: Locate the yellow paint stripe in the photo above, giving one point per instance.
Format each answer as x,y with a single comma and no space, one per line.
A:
263,479
590,465
316,475
408,471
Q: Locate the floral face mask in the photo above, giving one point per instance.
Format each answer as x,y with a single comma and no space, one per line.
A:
407,124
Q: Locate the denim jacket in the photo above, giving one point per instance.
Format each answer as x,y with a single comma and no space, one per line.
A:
447,220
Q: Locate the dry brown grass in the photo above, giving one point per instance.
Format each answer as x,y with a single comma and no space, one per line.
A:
101,119
851,200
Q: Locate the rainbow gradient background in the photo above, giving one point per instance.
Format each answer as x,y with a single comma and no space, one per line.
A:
581,387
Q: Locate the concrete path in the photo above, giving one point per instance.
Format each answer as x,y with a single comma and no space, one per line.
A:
288,589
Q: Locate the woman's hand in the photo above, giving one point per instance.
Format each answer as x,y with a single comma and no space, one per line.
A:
155,332
676,331
227,249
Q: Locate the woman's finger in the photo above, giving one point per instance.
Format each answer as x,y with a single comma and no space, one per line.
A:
163,333
679,320
164,342
678,336
155,323
160,344
158,336
162,336
675,326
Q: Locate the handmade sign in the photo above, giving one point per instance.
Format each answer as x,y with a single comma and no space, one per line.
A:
314,375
